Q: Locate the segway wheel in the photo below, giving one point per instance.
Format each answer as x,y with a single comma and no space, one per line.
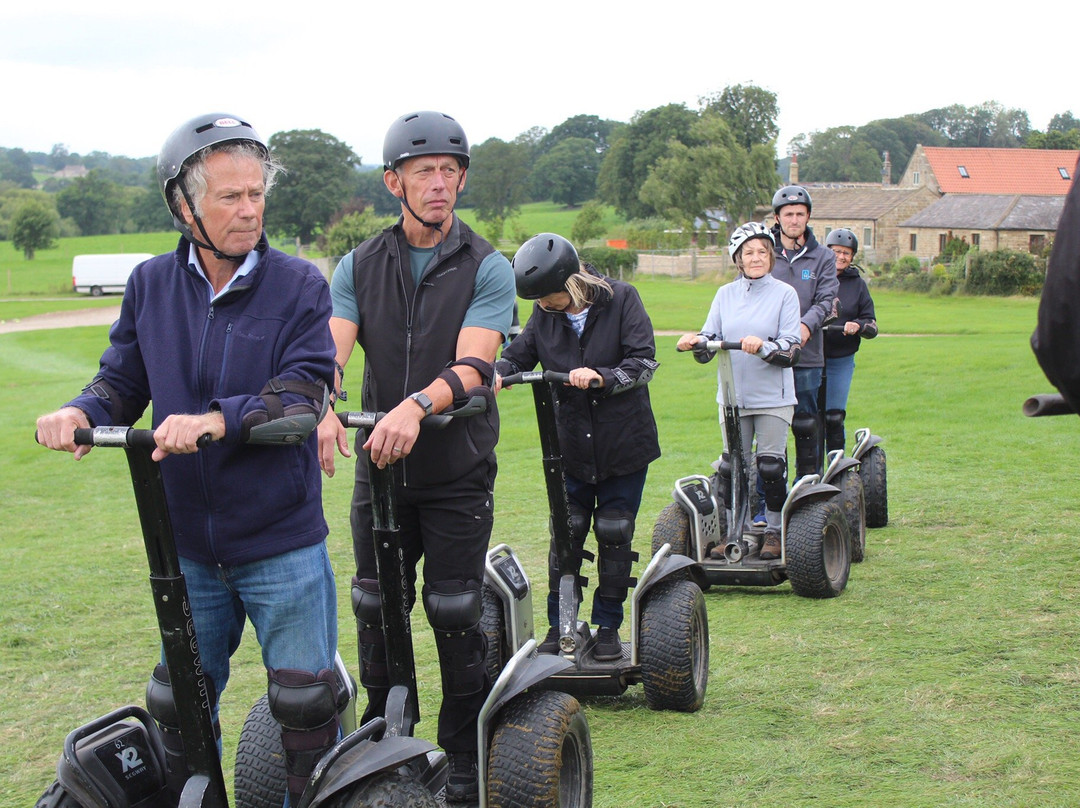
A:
259,775
853,502
56,796
387,790
872,471
541,754
674,646
818,549
672,527
493,624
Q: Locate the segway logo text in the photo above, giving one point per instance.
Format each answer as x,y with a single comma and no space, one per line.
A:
129,759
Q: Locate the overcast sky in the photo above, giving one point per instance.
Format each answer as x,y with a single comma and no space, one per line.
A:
119,76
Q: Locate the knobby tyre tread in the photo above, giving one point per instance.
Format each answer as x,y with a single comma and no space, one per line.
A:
853,502
493,625
56,796
387,790
875,485
541,754
674,646
259,774
818,549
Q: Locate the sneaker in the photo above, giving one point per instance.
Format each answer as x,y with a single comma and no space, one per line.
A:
759,518
608,645
550,645
771,548
463,782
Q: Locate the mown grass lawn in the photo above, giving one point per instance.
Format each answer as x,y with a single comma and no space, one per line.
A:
946,674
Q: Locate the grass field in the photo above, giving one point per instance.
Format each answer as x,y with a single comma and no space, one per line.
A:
947,674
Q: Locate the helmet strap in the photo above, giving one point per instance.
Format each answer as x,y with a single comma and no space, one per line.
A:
208,244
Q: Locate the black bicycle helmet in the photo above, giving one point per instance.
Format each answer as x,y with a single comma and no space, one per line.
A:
543,264
189,138
791,195
842,238
424,133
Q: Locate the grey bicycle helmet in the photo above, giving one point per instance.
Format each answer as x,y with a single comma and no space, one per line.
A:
424,133
543,264
745,232
188,139
791,195
842,238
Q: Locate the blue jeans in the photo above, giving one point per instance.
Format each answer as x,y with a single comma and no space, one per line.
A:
807,382
290,599
838,373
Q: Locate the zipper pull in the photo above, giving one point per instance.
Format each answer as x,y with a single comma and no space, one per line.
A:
210,314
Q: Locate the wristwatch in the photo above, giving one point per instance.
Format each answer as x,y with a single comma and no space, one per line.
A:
423,401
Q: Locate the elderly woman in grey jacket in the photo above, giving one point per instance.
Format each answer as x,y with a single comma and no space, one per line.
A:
761,313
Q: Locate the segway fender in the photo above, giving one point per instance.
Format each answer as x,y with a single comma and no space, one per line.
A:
663,564
810,491
838,465
195,792
363,760
864,442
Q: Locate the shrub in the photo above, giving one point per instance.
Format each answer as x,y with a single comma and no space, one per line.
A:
1003,272
610,261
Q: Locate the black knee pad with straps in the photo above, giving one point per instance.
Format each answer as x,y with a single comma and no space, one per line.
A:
371,643
614,534
834,429
162,706
306,706
807,431
453,609
772,471
579,530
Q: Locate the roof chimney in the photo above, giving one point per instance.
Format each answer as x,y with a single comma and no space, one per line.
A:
793,170
886,171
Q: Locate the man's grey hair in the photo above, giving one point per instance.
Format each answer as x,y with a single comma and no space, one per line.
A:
194,176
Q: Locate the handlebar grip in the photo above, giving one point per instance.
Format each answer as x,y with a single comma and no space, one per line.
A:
537,376
125,437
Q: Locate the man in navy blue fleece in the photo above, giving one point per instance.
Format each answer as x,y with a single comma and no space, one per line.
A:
226,336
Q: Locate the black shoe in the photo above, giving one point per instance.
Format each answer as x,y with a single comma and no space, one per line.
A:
608,645
463,782
550,645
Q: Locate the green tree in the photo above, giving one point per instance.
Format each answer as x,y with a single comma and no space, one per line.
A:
635,149
898,137
988,124
750,111
591,127
839,154
588,224
34,227
1063,122
1054,139
369,187
567,173
93,203
320,178
497,179
16,167
352,229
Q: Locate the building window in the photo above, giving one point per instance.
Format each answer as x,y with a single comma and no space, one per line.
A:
914,242
914,177
867,237
942,239
1036,243
974,239
1064,172
963,172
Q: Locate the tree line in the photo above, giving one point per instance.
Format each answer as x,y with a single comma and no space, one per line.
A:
673,164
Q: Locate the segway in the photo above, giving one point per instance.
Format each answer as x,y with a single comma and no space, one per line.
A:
870,456
534,745
121,760
668,650
708,512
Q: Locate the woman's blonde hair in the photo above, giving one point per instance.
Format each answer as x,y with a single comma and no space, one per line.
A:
584,286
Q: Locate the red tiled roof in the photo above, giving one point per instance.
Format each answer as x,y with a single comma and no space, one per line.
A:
1034,172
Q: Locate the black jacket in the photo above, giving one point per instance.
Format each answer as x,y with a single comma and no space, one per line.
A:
610,431
857,306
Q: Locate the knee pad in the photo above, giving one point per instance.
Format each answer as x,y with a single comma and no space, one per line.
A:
614,534
724,470
834,429
306,706
807,431
453,609
371,644
160,703
772,471
366,601
579,530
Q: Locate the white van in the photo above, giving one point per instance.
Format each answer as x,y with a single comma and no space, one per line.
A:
102,274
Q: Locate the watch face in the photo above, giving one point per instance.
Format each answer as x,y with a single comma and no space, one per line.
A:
423,401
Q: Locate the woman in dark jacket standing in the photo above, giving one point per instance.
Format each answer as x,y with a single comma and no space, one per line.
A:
593,328
842,340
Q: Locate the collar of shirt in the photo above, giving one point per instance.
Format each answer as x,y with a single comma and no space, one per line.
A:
250,261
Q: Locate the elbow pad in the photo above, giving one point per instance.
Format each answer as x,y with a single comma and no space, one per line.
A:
624,381
280,424
784,358
122,411
869,330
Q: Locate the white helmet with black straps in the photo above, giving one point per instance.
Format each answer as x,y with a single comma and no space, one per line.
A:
746,232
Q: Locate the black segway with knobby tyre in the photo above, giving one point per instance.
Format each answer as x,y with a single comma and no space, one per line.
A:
533,744
710,512
668,650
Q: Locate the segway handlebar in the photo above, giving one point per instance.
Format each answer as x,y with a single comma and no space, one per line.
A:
1047,404
539,376
360,419
124,437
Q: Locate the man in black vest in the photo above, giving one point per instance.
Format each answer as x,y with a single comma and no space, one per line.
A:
430,302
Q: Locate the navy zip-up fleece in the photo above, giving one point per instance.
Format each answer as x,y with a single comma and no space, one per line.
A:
230,503
811,270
